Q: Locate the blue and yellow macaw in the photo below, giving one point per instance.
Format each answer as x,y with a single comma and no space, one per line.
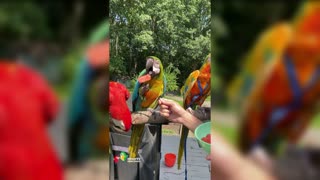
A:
195,91
150,86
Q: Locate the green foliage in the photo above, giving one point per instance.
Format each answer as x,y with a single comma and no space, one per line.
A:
117,66
237,24
23,20
215,80
177,32
145,40
171,74
133,81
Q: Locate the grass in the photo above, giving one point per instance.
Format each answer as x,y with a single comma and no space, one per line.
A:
230,133
315,123
178,101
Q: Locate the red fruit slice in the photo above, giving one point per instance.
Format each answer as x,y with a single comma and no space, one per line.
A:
207,139
144,78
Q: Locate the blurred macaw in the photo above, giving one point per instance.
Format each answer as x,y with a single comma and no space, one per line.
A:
195,90
118,109
86,121
27,105
150,86
280,83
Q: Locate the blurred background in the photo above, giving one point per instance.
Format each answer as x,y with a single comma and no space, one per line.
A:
239,66
63,43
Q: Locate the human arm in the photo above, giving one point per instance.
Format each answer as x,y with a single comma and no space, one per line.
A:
175,113
228,163
154,116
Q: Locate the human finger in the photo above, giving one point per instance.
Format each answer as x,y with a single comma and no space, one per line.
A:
164,114
163,106
167,111
167,102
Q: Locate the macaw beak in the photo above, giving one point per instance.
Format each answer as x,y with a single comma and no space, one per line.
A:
152,69
149,65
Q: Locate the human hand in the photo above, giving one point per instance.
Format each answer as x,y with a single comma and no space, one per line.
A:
171,110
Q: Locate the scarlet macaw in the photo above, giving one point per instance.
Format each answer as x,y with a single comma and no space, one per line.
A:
118,109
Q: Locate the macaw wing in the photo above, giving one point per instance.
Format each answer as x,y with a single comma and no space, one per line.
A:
77,106
308,16
202,88
136,101
186,88
260,60
262,66
155,91
206,66
152,97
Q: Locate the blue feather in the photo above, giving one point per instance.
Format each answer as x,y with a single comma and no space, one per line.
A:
78,107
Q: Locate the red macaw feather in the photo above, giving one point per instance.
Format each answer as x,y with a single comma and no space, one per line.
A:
118,108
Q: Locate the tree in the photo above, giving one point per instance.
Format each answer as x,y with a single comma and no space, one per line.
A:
171,73
243,21
177,32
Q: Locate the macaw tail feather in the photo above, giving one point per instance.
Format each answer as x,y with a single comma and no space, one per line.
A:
184,135
136,137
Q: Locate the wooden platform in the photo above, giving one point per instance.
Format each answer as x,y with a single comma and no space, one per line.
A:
197,166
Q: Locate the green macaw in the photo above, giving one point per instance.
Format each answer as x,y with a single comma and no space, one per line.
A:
195,90
150,86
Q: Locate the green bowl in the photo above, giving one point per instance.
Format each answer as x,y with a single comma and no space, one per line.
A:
200,132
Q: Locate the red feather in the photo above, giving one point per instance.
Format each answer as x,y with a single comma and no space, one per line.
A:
118,108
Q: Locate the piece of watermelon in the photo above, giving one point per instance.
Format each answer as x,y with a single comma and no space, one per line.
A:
207,139
144,78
